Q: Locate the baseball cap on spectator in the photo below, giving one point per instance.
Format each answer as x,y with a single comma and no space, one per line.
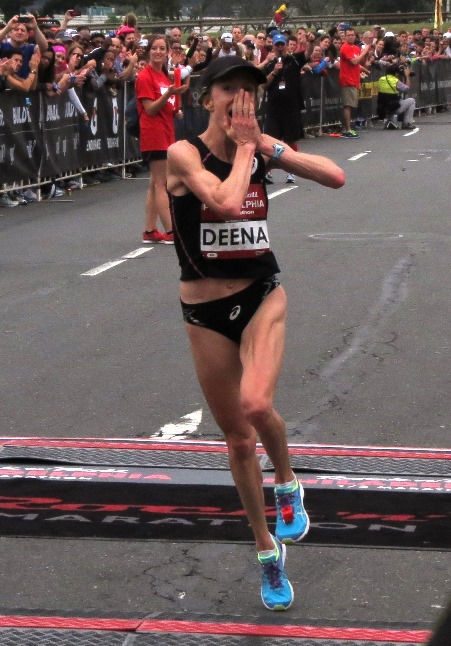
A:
389,34
143,42
69,34
343,26
227,37
59,48
279,38
447,35
377,27
223,66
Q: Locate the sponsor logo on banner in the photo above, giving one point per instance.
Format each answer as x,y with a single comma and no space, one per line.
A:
52,112
94,117
21,115
115,116
31,144
69,110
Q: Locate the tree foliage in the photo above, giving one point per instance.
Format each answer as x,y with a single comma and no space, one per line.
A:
387,6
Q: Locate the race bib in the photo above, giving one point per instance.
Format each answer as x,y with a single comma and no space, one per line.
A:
246,237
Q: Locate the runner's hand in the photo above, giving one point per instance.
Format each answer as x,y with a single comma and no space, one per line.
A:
243,127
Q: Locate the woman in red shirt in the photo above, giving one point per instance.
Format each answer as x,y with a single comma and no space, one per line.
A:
157,107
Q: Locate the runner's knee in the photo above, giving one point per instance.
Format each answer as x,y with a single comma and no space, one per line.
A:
240,447
257,410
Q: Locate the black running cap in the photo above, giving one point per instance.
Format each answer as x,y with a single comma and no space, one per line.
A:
225,65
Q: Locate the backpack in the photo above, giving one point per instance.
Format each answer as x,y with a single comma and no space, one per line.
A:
132,118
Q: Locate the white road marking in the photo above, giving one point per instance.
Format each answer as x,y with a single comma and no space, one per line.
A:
188,424
282,190
356,157
137,252
113,263
102,268
411,132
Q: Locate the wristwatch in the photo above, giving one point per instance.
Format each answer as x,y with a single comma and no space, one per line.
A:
278,150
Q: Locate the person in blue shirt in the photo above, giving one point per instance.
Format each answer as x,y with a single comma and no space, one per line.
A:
17,33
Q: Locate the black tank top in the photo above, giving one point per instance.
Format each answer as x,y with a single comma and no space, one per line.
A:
209,246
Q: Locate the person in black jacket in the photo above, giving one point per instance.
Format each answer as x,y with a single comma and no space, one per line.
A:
284,96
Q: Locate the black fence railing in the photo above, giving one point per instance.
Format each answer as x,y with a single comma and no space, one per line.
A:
255,23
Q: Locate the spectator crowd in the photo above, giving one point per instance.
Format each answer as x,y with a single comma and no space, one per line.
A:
53,58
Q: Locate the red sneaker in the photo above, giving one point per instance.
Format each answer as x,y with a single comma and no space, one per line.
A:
167,238
150,237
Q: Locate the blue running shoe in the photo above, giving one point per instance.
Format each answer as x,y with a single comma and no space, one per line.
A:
276,590
292,522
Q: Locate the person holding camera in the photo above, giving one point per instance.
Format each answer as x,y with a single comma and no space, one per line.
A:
390,104
17,31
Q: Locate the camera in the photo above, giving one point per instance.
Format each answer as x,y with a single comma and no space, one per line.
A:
74,13
23,19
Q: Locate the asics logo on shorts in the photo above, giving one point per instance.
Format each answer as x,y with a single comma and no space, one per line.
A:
235,312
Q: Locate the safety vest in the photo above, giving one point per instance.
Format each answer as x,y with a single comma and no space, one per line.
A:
387,84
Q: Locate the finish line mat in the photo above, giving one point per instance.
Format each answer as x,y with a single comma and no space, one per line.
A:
198,630
152,489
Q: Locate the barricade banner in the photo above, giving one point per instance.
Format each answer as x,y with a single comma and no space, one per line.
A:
61,136
311,94
427,77
102,140
443,80
20,139
43,137
331,98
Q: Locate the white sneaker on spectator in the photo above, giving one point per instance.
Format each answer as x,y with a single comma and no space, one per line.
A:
290,179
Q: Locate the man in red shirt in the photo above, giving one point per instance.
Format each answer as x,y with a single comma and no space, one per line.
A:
352,57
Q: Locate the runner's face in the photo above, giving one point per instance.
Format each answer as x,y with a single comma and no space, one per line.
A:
350,36
224,91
